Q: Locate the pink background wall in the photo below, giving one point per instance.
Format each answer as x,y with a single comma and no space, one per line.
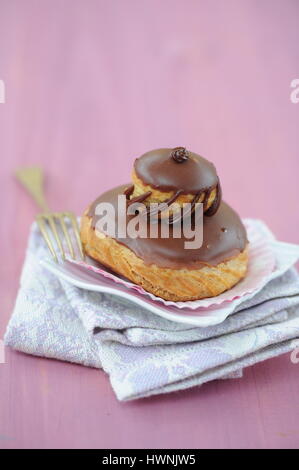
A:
90,85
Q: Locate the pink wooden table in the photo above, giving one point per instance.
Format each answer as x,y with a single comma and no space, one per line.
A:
89,86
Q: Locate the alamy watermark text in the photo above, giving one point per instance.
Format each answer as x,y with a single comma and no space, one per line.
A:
294,96
2,353
2,92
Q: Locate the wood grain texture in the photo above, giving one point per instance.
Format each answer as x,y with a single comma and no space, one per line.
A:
89,86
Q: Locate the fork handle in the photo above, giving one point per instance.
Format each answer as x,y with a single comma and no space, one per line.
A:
32,178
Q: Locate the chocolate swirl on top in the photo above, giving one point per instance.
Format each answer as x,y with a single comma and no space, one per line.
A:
179,154
197,176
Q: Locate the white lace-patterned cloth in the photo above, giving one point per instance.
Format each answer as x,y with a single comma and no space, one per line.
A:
143,353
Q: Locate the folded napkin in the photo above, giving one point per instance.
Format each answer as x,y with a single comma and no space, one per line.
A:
143,353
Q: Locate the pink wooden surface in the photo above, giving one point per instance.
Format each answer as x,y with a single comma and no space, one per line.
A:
89,86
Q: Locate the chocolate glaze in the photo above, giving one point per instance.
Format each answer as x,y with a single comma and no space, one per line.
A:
158,169
155,211
174,218
129,191
224,236
180,171
216,203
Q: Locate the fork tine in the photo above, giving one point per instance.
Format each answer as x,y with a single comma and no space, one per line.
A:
42,226
66,234
76,231
52,224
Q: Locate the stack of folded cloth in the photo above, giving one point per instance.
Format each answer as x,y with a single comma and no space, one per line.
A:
143,353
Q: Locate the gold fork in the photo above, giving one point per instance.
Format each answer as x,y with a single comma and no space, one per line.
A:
32,179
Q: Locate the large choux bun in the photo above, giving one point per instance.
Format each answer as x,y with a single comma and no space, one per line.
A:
163,266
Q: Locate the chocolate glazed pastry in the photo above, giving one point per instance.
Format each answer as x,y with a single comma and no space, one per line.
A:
164,266
176,176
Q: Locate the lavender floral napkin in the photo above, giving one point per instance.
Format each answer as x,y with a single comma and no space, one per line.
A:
143,353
